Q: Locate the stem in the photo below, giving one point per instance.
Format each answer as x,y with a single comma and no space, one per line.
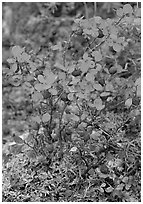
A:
86,10
95,8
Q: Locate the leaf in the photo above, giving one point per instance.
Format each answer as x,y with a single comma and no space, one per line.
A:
57,47
33,66
97,55
95,135
71,96
11,60
53,91
84,67
46,117
98,87
90,77
75,117
42,87
31,154
109,189
62,76
105,94
25,57
109,87
103,185
138,92
120,187
41,79
127,8
51,79
73,149
16,148
36,96
16,80
98,104
14,67
117,47
36,119
84,125
29,77
125,179
128,102
28,87
17,51
85,56
138,81
60,66
101,190
18,140
98,67
119,12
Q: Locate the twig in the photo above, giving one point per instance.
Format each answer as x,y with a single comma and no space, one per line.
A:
95,8
86,10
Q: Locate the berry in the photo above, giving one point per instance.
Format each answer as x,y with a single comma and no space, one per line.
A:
46,94
113,70
76,73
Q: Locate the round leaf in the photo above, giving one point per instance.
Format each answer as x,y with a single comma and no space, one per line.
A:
46,117
71,96
53,91
36,119
98,104
119,12
25,57
127,8
17,51
41,79
41,87
90,77
117,47
97,55
128,102
75,118
98,87
11,60
36,96
95,135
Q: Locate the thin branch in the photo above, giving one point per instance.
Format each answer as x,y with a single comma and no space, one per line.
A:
86,10
95,8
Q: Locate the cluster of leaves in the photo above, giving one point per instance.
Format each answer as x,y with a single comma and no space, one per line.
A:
72,94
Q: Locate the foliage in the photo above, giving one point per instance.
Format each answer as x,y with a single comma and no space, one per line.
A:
77,94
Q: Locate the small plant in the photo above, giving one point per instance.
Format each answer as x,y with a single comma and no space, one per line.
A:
73,98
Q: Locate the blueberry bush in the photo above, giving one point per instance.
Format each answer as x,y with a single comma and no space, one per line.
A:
80,106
